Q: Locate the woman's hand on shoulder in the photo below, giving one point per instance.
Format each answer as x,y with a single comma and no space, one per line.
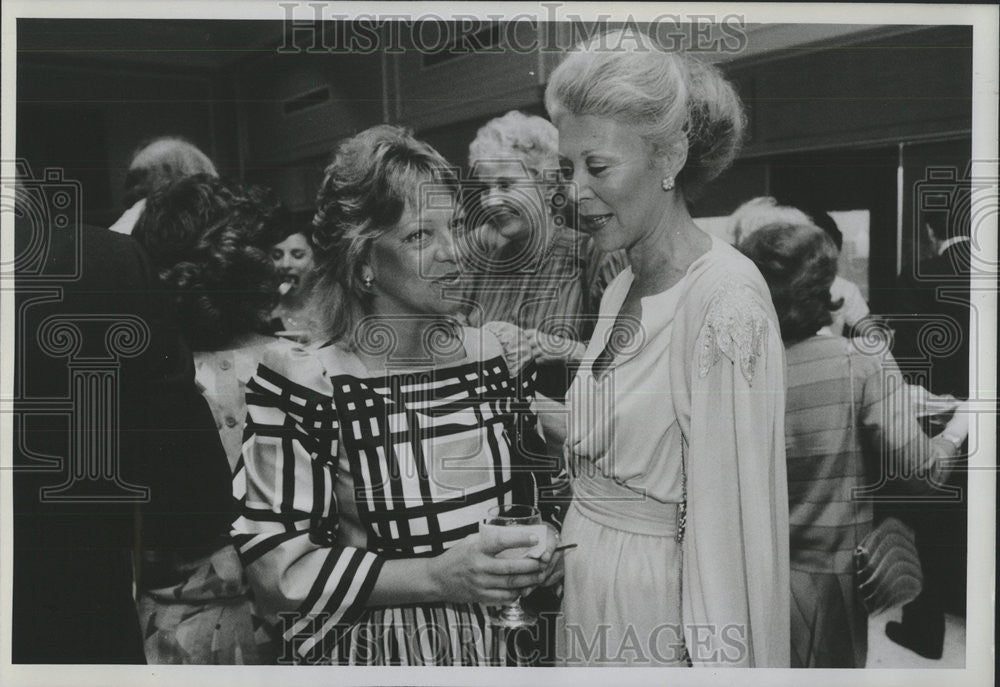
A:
472,572
550,348
513,344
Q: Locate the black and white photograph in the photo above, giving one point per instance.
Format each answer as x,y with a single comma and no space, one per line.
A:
458,343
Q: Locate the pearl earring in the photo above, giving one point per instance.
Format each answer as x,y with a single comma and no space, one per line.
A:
668,183
368,280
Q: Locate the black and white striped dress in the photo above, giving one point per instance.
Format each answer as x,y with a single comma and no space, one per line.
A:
345,471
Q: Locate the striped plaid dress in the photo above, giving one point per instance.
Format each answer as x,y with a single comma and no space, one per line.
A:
345,471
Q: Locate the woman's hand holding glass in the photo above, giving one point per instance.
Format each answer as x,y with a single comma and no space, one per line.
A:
472,571
551,559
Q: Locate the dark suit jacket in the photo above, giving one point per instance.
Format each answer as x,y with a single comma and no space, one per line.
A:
72,600
919,295
940,527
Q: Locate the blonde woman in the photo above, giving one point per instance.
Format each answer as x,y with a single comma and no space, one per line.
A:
371,460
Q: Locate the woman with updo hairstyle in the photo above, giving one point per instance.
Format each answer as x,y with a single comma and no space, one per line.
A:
372,459
846,420
209,241
675,440
529,267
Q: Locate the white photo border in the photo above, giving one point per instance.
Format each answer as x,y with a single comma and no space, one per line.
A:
982,492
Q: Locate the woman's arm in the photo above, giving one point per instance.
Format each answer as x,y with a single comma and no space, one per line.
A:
736,565
467,572
912,461
552,421
542,423
306,582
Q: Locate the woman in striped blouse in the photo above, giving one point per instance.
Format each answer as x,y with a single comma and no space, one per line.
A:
530,267
371,460
848,423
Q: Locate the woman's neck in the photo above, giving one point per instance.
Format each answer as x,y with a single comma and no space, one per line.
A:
662,257
415,342
292,301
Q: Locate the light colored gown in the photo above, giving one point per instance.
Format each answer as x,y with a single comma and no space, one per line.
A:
677,462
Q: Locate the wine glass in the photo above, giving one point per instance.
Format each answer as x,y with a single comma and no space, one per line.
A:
512,615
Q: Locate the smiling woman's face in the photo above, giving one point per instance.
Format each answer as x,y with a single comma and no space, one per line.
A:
414,263
616,180
513,199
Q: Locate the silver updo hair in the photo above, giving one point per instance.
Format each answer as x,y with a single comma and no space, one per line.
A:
676,103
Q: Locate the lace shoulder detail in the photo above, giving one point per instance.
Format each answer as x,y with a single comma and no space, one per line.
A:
735,327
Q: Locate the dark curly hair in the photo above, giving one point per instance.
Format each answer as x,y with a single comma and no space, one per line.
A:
209,240
363,195
799,263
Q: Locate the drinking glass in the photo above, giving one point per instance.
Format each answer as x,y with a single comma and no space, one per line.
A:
512,615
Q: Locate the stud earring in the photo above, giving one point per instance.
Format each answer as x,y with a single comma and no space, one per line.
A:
668,183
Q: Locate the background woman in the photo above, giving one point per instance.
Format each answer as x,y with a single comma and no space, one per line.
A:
675,438
371,460
209,240
293,259
540,274
764,210
847,420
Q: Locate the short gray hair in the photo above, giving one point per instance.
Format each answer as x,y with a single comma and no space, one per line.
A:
760,212
532,139
158,162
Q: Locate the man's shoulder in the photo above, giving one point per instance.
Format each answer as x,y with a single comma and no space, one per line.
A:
954,261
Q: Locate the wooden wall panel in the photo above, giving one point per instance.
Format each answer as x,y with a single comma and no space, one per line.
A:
901,87
275,136
468,86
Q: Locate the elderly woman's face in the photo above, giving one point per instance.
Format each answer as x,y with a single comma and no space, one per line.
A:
414,266
616,181
513,198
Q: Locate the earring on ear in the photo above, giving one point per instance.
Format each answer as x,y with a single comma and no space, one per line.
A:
668,183
367,278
